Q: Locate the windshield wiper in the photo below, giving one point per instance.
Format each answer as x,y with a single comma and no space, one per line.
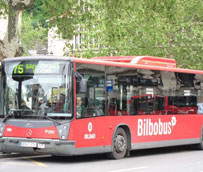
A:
14,112
54,121
11,114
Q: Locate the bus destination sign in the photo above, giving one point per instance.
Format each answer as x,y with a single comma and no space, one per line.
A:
34,67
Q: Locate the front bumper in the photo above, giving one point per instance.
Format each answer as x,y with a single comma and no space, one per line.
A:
53,147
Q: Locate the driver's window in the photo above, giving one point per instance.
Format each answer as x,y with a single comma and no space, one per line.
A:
90,103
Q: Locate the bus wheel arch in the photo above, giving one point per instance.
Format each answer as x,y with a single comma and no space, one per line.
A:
199,146
121,142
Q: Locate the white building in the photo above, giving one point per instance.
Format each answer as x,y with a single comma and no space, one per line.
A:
3,26
56,44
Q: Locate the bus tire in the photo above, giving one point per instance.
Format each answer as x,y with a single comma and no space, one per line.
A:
119,145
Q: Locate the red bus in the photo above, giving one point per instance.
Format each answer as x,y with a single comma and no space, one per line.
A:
69,106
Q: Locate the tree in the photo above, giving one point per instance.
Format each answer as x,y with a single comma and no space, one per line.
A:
34,28
10,46
32,37
171,29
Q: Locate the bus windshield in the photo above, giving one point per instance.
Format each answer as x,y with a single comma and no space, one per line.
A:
37,89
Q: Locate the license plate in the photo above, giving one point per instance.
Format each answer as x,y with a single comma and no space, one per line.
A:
28,144
32,145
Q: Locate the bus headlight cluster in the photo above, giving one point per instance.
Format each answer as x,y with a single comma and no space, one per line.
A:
63,131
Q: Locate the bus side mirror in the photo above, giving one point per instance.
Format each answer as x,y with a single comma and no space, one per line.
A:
83,86
81,83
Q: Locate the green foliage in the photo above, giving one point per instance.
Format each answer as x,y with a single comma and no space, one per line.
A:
38,13
165,28
65,14
33,38
34,29
3,7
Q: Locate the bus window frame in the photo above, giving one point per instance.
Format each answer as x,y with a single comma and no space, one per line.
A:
130,66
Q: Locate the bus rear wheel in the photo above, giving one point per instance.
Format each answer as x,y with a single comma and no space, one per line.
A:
119,145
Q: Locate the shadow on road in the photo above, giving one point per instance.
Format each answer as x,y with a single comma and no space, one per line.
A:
159,151
95,157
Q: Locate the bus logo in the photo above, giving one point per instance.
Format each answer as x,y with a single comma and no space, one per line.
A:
49,131
89,126
90,135
148,128
29,133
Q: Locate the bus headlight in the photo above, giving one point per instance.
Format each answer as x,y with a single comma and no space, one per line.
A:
60,131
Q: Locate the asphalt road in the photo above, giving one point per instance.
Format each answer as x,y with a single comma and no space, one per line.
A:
178,159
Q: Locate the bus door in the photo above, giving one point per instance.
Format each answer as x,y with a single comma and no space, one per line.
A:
90,126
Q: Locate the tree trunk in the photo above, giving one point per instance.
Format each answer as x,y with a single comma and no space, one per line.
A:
10,45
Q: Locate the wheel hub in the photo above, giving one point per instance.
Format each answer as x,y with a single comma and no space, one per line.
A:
120,143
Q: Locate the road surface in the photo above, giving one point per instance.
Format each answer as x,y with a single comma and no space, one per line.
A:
176,159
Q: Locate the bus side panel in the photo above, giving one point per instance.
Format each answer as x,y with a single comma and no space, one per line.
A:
169,127
148,129
23,132
91,132
95,132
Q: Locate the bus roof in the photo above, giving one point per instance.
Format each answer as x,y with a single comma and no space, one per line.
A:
139,62
143,60
38,58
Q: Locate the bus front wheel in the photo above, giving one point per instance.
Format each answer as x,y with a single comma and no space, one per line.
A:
120,145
